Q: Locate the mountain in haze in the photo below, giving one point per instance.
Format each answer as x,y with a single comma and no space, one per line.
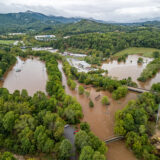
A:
31,17
38,22
149,19
28,17
30,21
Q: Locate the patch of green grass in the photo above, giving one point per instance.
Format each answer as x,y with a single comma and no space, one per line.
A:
7,42
146,52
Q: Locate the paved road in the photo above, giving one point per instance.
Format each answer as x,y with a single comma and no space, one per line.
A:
69,134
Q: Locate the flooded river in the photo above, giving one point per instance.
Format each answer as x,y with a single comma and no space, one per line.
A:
101,118
130,68
27,74
33,77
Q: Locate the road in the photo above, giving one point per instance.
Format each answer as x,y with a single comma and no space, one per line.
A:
69,134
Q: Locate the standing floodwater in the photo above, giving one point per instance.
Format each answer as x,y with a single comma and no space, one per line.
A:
132,69
29,74
101,118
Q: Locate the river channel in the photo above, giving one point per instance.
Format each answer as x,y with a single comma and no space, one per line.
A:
101,118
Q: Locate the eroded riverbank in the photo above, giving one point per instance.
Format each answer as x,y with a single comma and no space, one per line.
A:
101,118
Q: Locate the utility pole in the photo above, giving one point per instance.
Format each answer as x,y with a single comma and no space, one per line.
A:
158,115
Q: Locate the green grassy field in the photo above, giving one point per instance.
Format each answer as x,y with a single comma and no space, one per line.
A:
7,42
146,52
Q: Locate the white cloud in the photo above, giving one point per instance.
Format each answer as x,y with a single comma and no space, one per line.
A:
109,10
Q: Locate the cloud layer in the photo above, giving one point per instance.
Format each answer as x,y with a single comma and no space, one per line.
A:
108,10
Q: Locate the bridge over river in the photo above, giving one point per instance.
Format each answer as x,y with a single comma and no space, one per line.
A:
139,90
113,139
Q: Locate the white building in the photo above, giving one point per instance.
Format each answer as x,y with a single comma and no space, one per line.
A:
45,37
50,49
66,37
15,34
81,66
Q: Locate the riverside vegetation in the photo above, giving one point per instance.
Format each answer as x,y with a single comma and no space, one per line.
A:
106,83
151,70
136,123
32,125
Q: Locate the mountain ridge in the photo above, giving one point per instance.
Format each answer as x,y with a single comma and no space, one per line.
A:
34,21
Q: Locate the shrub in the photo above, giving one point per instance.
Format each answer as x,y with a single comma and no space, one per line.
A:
85,126
105,100
73,85
80,90
140,60
120,92
156,54
87,94
91,104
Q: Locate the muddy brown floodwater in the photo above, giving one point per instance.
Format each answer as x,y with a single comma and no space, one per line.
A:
130,68
101,118
32,77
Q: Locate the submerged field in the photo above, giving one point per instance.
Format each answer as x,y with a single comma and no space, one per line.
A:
146,52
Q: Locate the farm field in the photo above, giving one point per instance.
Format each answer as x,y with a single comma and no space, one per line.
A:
146,52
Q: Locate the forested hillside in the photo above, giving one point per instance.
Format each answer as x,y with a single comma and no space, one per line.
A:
28,21
112,42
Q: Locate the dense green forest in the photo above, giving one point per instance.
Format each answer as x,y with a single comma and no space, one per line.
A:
89,26
136,123
105,44
6,60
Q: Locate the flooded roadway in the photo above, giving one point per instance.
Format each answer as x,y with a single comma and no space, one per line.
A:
32,76
101,118
132,69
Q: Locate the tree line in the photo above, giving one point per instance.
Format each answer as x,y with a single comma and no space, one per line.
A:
6,61
151,70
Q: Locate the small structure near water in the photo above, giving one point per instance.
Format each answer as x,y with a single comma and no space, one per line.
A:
81,66
18,70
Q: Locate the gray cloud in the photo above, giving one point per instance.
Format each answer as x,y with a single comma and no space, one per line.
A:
109,10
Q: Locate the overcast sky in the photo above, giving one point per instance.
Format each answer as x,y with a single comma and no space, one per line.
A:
108,10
